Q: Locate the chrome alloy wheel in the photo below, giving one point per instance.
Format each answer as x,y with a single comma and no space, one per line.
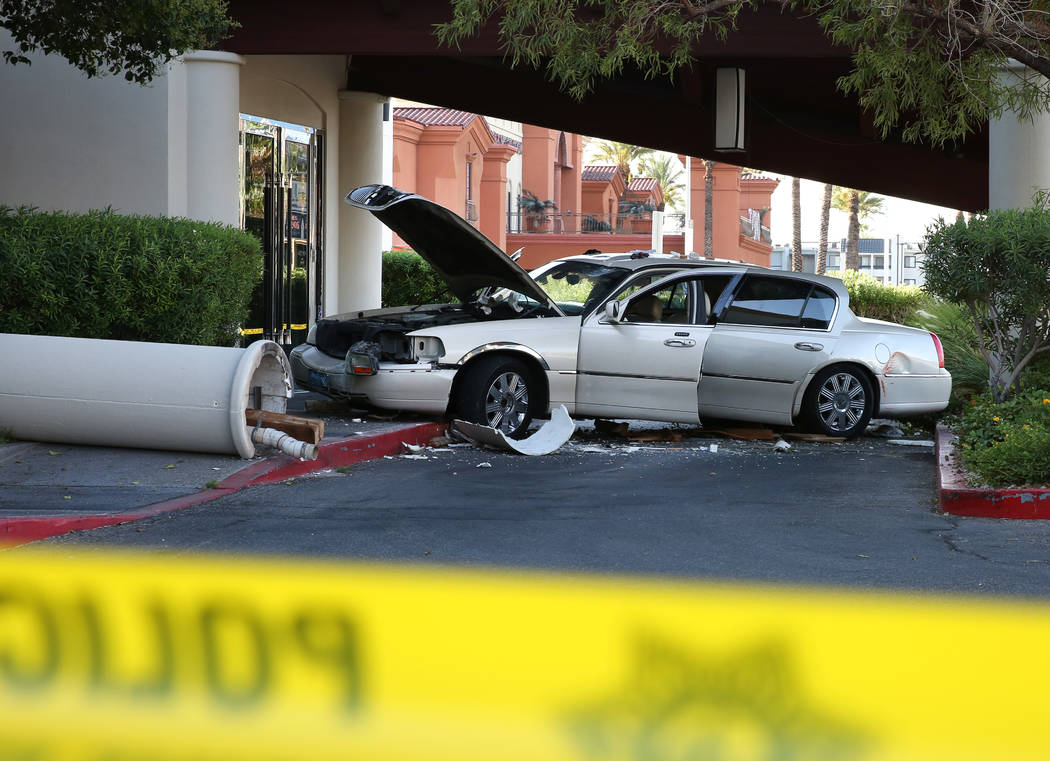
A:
841,401
507,402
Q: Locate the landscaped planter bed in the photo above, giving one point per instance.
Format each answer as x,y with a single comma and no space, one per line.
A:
958,498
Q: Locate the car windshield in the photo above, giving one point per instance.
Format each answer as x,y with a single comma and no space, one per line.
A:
578,287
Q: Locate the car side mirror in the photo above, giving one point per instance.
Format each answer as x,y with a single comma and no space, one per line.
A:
612,311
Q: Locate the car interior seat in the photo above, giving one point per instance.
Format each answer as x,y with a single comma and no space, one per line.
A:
646,309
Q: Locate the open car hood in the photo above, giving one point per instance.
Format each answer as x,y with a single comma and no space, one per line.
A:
458,252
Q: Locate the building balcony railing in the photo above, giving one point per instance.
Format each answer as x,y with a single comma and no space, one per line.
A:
572,223
747,229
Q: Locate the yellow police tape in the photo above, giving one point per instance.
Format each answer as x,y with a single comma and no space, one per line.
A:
126,657
259,331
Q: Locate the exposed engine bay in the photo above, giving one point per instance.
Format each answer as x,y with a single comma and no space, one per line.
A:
386,329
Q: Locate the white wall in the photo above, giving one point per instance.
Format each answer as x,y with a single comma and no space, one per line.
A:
69,142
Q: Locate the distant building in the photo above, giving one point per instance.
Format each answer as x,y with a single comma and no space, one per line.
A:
884,259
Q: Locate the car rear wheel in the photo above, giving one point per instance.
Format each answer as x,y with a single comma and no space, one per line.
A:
839,402
498,392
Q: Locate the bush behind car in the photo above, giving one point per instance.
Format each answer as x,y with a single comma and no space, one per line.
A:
408,280
106,275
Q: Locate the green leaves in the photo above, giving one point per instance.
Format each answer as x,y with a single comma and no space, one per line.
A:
997,265
106,275
926,72
128,37
408,280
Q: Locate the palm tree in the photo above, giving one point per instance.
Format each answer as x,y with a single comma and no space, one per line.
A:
796,225
622,155
665,170
709,210
825,218
860,205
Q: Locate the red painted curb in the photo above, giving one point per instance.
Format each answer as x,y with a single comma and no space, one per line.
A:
334,454
959,499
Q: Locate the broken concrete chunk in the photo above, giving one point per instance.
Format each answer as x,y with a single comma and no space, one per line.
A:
547,439
781,446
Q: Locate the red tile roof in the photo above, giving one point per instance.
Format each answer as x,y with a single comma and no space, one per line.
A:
642,185
599,173
431,116
504,140
753,176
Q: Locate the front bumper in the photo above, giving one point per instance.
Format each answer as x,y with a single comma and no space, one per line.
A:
419,388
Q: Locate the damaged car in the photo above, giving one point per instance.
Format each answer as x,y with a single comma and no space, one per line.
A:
636,335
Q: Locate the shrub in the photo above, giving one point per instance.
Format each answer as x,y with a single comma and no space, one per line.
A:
870,298
136,278
962,358
1006,443
996,265
408,280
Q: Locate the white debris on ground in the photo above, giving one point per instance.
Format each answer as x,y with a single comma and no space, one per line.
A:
483,465
781,446
911,442
549,438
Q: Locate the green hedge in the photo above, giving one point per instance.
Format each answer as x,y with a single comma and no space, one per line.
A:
408,280
870,298
108,275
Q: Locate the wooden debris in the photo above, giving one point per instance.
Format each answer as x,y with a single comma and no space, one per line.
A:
305,429
665,435
744,434
818,438
609,428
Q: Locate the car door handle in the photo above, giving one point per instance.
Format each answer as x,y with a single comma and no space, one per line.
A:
806,346
681,343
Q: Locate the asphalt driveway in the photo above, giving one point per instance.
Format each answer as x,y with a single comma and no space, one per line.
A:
859,514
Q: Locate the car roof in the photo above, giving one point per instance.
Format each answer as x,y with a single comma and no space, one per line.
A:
640,260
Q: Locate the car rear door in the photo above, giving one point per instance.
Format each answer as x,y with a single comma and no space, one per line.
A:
769,336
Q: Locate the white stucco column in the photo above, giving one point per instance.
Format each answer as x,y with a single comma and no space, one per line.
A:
360,234
687,224
213,95
1018,153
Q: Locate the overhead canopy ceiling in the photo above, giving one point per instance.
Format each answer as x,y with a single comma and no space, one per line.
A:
798,122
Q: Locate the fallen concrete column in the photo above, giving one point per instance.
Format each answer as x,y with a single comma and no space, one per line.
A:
135,394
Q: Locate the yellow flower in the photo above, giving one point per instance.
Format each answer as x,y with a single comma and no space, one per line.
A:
995,419
1046,401
1026,426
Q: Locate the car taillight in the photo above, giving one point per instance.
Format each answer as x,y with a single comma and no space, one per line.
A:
940,349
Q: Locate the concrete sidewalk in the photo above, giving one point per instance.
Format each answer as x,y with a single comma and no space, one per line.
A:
49,489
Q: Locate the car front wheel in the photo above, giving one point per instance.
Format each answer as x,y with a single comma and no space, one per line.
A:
839,402
498,392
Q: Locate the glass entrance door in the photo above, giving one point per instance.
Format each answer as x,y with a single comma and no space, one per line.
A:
280,204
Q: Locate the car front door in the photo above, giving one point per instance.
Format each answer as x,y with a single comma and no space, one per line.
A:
647,364
769,337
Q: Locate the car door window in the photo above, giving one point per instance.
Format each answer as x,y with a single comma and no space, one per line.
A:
685,302
819,309
640,282
668,305
772,301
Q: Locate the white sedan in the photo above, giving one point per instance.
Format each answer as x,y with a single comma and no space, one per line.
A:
638,335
